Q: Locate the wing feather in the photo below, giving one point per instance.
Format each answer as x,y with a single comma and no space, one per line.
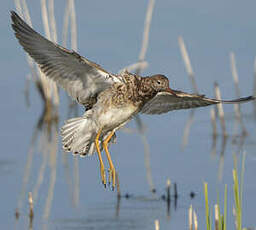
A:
164,102
81,78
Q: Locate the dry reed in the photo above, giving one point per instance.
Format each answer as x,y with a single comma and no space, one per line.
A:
237,107
191,75
157,225
187,63
220,109
213,121
190,217
138,121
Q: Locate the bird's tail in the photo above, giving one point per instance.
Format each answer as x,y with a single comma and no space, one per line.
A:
78,135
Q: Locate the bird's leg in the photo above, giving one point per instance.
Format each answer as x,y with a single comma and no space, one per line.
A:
102,169
112,171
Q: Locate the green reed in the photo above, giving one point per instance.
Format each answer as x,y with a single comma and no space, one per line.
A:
220,220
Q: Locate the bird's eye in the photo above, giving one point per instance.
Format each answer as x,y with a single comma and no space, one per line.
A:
159,82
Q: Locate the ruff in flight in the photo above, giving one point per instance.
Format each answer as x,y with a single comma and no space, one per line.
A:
111,100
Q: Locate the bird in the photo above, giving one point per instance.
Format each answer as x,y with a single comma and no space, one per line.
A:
110,100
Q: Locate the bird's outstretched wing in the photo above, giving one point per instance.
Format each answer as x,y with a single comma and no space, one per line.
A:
164,102
81,78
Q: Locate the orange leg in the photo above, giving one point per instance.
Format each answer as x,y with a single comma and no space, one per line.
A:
112,171
102,169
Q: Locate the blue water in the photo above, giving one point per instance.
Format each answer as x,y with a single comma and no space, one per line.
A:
110,34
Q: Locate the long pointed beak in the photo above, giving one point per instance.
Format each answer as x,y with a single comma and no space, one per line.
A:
169,90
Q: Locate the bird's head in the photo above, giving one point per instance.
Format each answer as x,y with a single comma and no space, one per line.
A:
160,83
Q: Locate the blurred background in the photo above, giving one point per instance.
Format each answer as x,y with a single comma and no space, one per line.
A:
183,146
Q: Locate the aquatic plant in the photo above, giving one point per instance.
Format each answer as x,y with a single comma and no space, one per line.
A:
220,220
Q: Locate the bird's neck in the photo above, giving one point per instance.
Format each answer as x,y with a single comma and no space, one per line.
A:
146,92
139,89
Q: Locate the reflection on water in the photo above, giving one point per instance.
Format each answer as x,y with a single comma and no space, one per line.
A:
44,141
132,212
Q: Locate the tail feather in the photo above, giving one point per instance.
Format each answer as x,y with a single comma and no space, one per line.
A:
67,138
90,150
70,126
78,134
81,145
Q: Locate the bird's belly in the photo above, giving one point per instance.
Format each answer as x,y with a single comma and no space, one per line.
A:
115,117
